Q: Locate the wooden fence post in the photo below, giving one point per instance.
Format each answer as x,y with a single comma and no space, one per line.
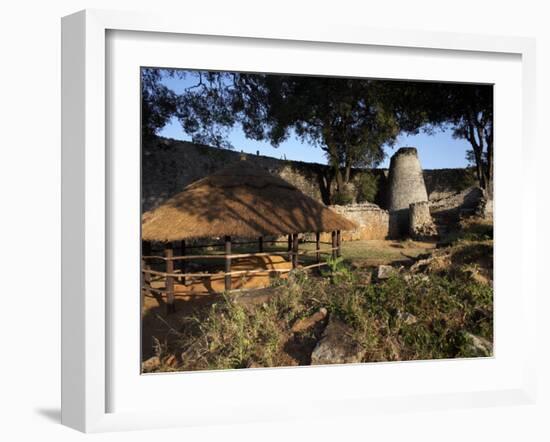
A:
169,253
294,250
261,244
318,245
145,248
227,263
334,244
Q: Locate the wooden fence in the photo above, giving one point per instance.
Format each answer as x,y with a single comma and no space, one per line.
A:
170,276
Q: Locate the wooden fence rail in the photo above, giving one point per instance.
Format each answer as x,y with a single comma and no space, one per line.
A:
220,274
175,265
240,255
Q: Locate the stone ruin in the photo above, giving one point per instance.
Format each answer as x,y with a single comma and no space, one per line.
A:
406,186
372,222
408,209
421,225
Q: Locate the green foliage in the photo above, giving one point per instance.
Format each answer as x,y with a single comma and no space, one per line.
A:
367,187
158,102
350,119
339,272
409,316
342,198
472,232
443,309
234,337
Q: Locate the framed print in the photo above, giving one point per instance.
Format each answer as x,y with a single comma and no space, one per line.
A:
234,229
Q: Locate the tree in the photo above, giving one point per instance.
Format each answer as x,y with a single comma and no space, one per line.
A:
347,118
351,120
467,109
470,113
158,102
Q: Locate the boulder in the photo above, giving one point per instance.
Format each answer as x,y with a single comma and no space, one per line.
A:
479,346
150,365
337,346
407,318
385,272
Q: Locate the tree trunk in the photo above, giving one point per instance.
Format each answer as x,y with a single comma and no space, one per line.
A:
333,160
339,178
347,173
489,173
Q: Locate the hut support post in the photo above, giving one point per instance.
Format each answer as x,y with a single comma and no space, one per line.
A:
227,263
295,251
261,244
318,246
339,243
169,253
182,265
145,281
146,277
289,243
333,244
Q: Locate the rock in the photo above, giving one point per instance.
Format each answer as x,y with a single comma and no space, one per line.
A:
478,345
467,199
256,297
416,277
254,365
303,324
150,364
407,318
336,346
171,361
484,208
385,272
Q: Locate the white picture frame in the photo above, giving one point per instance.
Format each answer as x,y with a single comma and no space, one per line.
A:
87,209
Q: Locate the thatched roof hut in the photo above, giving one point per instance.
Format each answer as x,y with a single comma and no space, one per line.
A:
241,200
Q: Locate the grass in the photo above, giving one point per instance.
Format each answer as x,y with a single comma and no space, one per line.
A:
471,230
379,252
434,311
407,317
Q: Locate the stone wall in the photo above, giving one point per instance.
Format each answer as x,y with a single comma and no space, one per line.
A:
372,221
168,166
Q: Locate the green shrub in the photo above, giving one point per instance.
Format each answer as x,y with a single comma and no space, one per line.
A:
367,187
342,198
465,180
406,317
232,336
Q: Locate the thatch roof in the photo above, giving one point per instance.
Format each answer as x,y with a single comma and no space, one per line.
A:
241,200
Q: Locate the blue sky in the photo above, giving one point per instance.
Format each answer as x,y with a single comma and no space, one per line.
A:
436,151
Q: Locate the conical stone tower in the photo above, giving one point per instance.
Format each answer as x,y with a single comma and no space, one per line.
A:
406,186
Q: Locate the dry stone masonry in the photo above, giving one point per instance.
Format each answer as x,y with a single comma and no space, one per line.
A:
421,225
170,165
372,221
406,185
